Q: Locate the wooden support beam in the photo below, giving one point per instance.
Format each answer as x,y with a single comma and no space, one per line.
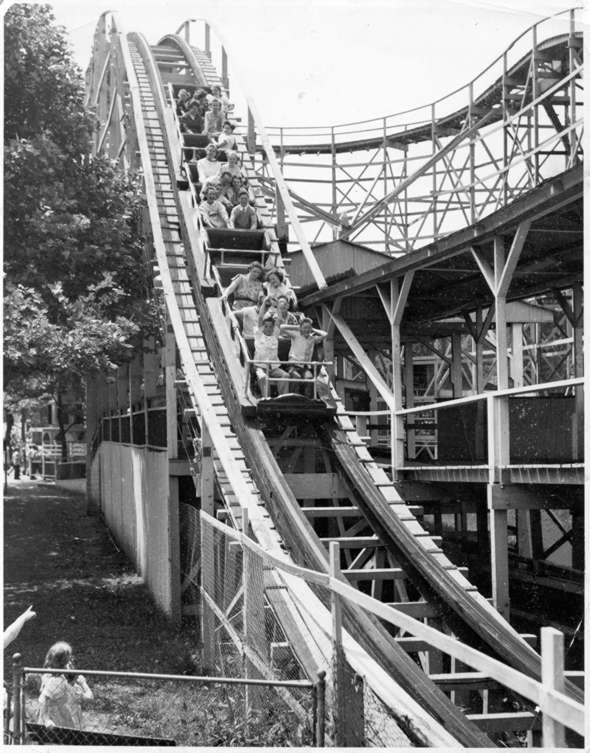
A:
456,372
385,301
498,522
507,272
484,268
552,677
363,359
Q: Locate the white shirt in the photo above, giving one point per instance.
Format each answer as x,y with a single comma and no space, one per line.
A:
207,168
266,347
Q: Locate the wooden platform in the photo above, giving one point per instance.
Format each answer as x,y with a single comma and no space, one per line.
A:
567,473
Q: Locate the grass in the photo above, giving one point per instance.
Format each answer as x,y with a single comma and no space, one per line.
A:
86,592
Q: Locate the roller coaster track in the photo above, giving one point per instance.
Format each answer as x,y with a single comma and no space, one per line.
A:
408,178
248,471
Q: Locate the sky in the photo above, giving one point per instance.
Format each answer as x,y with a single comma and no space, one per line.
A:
310,62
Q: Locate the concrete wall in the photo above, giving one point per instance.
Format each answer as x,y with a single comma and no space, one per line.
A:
132,486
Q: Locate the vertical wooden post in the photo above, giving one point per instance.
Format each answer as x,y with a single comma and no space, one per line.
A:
17,690
517,360
397,424
409,383
456,373
320,714
338,707
254,622
224,76
552,677
498,519
92,424
578,332
334,186
207,489
251,134
348,713
172,503
208,40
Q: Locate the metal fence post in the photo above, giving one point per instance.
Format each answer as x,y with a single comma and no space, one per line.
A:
320,710
17,689
552,677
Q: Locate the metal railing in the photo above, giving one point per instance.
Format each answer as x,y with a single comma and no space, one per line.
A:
316,368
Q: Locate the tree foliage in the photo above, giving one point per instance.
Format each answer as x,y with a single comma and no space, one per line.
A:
42,88
76,285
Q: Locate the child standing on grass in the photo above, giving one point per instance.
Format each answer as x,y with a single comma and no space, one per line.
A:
60,702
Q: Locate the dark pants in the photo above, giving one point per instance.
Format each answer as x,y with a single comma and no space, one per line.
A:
16,471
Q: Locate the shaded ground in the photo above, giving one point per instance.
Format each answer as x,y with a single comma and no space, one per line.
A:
84,591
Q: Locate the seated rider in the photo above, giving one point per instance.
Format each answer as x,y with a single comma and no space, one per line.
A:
192,120
234,166
182,102
216,93
266,348
275,286
246,289
212,211
226,141
303,340
243,216
208,166
213,120
280,312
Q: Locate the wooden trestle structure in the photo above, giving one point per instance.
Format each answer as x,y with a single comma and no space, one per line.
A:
472,303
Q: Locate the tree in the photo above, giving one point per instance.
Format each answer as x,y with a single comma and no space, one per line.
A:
77,292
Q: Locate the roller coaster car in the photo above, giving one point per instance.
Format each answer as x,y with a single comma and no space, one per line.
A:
293,404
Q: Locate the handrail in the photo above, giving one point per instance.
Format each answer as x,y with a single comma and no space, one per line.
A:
275,168
487,395
558,706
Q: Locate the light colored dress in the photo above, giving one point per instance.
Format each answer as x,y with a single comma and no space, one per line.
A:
60,701
246,291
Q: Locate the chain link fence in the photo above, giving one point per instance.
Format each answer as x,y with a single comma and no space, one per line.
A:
163,710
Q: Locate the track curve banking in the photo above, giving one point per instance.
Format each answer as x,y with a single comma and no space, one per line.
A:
247,468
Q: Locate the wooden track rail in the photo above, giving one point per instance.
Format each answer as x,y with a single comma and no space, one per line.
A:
469,612
246,469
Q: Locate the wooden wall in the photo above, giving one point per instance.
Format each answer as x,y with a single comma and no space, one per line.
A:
133,490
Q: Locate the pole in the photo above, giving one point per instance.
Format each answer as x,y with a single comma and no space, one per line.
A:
17,688
552,677
321,710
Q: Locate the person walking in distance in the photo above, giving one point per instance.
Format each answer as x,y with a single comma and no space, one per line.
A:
60,700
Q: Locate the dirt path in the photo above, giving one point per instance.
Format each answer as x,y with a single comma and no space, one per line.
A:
83,589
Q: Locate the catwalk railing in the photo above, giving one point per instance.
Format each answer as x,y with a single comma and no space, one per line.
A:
498,434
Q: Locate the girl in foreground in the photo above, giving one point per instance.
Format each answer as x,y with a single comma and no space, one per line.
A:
60,702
